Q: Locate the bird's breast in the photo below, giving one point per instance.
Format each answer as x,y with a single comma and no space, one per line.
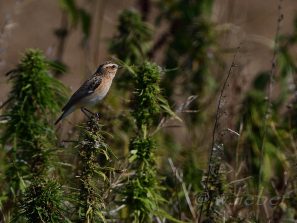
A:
103,88
99,93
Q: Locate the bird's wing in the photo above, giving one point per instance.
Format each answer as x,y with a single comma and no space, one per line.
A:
87,88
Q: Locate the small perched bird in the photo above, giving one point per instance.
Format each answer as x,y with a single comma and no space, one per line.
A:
92,90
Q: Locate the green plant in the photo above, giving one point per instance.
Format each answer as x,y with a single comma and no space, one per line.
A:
143,192
191,52
131,43
42,201
191,45
92,176
28,135
213,182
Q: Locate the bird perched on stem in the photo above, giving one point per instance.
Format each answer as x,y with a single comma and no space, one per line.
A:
92,90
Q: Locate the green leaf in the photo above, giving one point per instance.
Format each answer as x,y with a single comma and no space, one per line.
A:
101,216
70,7
164,105
58,66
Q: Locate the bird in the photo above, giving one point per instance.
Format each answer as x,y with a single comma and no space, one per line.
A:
93,90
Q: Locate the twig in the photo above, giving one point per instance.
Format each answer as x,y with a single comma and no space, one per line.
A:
5,103
180,179
232,131
114,211
186,104
216,125
240,180
180,109
268,103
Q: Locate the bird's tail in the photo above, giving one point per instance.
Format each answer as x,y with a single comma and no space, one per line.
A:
64,114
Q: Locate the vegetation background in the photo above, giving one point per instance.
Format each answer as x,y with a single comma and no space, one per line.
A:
199,126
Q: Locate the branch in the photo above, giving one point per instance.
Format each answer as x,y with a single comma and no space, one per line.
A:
218,112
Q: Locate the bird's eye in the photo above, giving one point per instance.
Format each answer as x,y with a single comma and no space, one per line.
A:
113,66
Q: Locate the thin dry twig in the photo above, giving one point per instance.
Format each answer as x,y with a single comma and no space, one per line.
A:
186,193
217,117
182,108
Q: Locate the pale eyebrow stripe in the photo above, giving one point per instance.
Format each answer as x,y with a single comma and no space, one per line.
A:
109,65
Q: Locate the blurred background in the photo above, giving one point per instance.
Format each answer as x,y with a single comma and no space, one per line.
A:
195,43
33,24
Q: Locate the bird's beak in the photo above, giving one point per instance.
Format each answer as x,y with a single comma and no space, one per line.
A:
120,67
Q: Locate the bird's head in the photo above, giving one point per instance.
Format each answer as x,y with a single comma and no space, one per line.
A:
108,68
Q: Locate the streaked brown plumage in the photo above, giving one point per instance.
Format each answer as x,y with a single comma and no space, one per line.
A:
92,90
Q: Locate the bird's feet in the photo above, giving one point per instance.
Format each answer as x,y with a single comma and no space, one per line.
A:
88,113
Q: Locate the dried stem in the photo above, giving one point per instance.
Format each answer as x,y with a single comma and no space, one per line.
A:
62,34
145,8
217,117
269,95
